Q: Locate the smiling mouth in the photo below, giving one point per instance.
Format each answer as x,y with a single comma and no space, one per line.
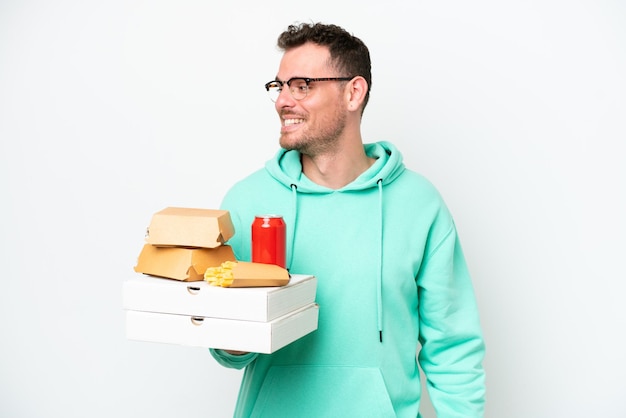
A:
290,122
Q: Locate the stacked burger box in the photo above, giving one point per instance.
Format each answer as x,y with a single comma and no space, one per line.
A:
168,300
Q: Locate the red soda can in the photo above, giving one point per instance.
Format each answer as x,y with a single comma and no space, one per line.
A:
268,240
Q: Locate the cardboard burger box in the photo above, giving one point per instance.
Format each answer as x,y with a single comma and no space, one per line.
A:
256,319
190,227
181,263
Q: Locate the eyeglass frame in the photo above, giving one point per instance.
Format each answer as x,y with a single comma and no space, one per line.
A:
307,80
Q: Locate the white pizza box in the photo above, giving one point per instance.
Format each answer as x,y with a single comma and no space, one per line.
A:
228,334
262,304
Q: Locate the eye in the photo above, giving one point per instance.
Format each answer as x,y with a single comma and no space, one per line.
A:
299,85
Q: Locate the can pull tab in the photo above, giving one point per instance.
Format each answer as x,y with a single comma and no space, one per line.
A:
197,320
193,290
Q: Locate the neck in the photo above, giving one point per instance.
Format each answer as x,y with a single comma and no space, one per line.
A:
335,169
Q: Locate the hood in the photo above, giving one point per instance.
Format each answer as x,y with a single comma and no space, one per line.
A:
286,168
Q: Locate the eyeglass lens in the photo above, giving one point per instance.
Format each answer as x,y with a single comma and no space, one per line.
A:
298,88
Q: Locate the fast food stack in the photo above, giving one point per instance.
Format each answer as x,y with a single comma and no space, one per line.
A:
191,290
181,243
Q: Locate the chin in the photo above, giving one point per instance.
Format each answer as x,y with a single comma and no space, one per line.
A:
285,143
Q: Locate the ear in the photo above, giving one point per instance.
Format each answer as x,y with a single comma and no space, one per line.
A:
355,93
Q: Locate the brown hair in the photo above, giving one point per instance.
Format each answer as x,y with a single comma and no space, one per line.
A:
348,54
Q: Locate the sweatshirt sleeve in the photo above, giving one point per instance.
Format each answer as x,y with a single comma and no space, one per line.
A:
233,361
452,344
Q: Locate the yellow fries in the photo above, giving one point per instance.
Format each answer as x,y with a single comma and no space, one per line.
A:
220,276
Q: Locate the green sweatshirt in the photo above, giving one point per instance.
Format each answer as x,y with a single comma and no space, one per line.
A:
392,283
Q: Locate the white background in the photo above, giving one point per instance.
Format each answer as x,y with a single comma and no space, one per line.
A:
111,111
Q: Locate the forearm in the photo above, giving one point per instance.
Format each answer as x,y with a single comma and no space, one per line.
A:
455,378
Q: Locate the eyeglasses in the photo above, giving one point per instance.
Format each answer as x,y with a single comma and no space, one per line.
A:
298,86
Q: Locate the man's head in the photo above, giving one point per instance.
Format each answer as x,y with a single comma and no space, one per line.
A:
348,54
320,89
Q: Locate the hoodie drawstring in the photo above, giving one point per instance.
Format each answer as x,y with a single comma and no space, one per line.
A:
292,229
379,292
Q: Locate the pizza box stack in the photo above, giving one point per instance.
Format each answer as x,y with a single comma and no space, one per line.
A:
263,309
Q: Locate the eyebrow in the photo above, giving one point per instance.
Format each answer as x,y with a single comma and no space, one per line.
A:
297,76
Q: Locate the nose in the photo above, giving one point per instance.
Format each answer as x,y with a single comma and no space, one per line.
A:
284,99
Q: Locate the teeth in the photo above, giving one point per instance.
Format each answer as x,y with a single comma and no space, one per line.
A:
289,122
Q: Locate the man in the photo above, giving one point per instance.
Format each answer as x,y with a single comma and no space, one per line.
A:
391,274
